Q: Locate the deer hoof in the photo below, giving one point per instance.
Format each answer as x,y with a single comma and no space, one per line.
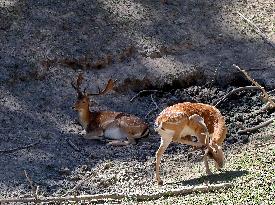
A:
160,183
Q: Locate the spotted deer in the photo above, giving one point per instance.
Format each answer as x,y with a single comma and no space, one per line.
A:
118,127
178,123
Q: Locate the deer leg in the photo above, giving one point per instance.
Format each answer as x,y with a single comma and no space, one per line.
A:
118,143
122,143
165,141
205,160
92,137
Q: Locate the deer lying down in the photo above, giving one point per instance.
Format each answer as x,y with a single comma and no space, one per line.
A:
179,122
120,128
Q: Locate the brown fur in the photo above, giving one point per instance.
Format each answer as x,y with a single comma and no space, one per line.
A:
98,122
176,123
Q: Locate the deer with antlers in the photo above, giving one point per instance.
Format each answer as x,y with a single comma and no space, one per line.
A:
178,123
121,128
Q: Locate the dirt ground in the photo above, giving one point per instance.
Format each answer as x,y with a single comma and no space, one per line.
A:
179,43
56,167
185,49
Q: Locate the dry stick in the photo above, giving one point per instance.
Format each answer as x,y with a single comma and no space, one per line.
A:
79,184
271,91
73,145
18,148
258,31
153,110
142,92
252,129
235,91
264,108
266,96
139,197
34,189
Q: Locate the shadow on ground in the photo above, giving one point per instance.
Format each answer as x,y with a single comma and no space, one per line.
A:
226,176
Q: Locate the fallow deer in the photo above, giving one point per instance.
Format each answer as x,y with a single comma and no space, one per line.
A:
179,122
121,128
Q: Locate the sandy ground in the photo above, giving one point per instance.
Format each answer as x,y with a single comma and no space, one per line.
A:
179,43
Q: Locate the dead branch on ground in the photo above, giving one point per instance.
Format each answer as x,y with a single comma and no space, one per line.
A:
265,94
33,188
236,91
18,148
87,178
258,31
139,197
76,148
143,92
253,129
271,91
266,97
154,109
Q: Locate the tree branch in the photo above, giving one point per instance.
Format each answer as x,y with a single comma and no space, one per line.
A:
144,91
253,129
139,197
266,96
235,91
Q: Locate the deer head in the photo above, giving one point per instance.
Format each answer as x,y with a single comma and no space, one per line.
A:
83,100
213,150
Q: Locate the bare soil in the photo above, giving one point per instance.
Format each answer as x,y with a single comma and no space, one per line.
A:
183,48
56,167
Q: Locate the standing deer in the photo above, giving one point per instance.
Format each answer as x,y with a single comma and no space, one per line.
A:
179,122
121,128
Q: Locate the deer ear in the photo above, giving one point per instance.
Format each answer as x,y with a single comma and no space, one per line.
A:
196,118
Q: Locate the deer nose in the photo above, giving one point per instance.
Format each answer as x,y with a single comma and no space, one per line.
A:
73,107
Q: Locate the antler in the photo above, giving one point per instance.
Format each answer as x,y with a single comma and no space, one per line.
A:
78,83
109,86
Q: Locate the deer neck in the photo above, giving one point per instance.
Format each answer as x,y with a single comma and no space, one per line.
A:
84,117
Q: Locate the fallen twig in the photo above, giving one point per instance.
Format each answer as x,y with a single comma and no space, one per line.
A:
258,145
154,109
271,91
252,129
76,148
266,96
144,91
267,106
235,91
34,189
156,105
139,197
87,178
18,148
258,31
